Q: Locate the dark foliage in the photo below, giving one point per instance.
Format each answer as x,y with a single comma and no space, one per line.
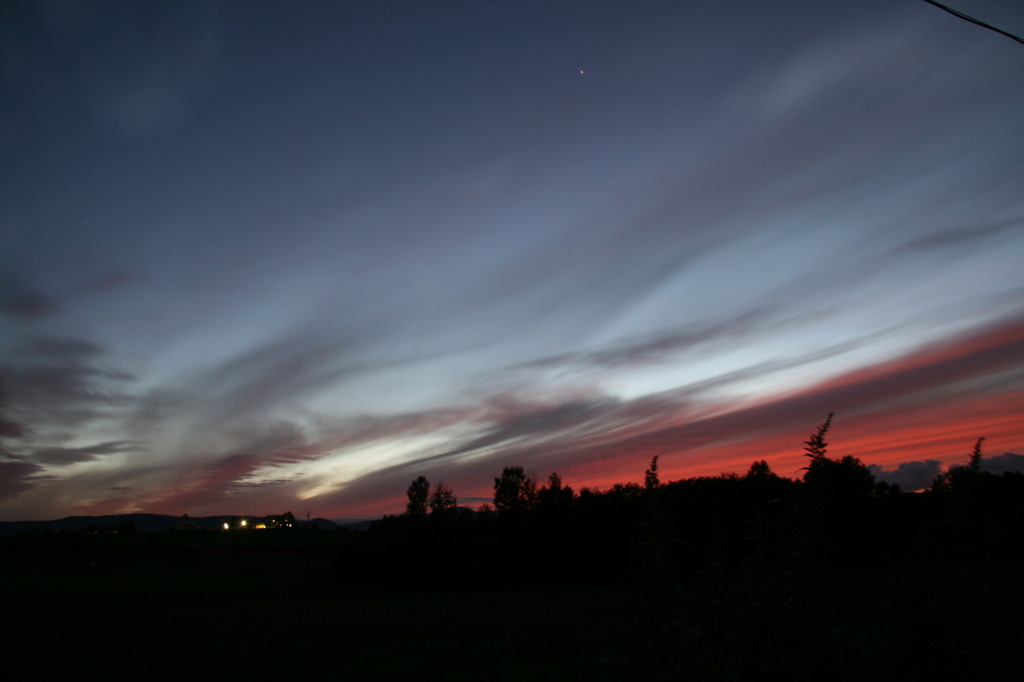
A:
651,479
514,491
731,571
442,500
418,494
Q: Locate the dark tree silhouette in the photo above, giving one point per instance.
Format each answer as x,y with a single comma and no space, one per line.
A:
442,500
514,491
731,569
651,475
971,476
759,469
963,479
815,446
554,495
418,493
974,463
839,479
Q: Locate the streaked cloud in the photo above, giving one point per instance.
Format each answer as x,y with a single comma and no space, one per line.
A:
21,300
63,456
277,256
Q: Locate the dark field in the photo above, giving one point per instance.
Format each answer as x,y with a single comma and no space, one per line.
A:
267,606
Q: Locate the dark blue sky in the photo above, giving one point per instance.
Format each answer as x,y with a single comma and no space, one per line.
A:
267,256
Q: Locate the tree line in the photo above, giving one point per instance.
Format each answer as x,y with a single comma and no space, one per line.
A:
729,569
837,515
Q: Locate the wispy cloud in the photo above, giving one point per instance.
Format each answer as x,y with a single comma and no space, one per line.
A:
20,300
57,384
107,281
17,475
63,456
961,236
602,441
715,236
656,348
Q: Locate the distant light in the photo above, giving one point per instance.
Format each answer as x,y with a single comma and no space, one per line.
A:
244,522
225,525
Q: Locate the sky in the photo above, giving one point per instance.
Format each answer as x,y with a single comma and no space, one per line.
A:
269,256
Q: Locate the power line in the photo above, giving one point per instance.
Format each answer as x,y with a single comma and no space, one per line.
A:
971,19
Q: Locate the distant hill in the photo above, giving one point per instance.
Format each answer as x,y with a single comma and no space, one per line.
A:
142,523
358,525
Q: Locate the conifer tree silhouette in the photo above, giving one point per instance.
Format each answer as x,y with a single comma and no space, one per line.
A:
418,493
815,446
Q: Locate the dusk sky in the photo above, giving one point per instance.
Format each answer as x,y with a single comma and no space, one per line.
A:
269,256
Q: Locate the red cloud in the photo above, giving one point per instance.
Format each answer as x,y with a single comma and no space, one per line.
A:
931,404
